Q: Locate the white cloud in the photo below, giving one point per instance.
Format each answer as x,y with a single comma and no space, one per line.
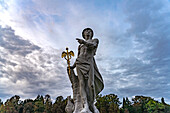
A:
133,53
29,70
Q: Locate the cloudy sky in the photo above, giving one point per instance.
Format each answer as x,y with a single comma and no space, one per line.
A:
133,54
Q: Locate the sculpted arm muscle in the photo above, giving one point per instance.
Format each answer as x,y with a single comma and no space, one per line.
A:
94,43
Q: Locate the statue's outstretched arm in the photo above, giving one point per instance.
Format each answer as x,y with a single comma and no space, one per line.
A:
94,43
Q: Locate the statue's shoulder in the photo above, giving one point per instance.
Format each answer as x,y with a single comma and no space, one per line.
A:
96,40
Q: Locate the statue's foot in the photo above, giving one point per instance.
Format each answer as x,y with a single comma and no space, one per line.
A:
85,110
95,109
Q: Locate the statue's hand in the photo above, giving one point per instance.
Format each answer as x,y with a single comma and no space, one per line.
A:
81,41
72,67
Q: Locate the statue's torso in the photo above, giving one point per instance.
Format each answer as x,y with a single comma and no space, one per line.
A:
86,53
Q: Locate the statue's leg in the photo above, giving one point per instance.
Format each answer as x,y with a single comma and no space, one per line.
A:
83,92
92,93
91,85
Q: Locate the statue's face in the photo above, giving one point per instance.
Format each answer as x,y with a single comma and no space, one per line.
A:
88,34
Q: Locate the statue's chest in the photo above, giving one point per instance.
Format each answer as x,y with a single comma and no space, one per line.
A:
85,49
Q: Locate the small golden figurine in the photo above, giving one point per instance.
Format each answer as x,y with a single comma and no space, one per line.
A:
67,55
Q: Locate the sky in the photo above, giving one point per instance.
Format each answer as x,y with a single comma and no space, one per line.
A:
133,55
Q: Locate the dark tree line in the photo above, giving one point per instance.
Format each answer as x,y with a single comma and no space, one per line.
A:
142,104
39,105
106,104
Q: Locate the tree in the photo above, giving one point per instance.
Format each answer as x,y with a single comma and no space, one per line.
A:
39,104
59,105
1,103
167,107
127,106
155,107
1,107
28,106
108,103
105,104
13,104
139,103
48,104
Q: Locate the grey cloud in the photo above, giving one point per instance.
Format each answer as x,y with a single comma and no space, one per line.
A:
29,69
149,33
134,78
145,27
133,54
150,29
15,44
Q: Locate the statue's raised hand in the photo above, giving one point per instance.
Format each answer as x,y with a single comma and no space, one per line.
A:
81,41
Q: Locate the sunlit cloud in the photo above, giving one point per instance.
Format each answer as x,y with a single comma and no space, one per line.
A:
133,54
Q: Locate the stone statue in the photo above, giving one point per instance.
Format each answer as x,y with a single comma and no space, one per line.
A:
69,107
88,83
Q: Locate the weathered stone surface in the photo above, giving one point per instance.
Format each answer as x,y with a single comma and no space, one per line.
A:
88,83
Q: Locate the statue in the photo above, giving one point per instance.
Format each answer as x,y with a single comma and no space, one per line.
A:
69,107
88,83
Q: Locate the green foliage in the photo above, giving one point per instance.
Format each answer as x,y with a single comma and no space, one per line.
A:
127,106
2,110
167,109
106,104
1,103
28,107
47,104
12,105
155,107
139,103
59,105
39,105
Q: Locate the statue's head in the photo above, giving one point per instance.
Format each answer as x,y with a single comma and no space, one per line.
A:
87,33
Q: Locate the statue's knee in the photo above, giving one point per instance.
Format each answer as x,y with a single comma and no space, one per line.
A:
81,83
